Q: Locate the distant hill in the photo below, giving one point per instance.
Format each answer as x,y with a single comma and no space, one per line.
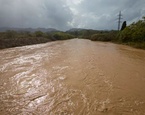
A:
29,29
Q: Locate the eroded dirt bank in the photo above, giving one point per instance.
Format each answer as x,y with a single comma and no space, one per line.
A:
74,77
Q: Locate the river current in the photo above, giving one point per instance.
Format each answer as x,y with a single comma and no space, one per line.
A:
72,77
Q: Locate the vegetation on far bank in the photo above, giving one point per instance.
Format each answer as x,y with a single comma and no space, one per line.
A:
133,35
11,38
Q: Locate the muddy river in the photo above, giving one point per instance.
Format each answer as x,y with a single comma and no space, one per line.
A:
73,77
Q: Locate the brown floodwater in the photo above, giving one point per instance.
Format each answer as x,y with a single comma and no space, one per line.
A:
73,77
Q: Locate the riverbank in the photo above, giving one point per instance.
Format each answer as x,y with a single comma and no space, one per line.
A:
139,45
132,35
115,37
10,43
11,39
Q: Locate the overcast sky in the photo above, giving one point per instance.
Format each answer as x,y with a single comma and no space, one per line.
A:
66,14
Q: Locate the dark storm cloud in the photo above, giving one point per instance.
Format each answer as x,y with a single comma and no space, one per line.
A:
32,13
57,13
65,14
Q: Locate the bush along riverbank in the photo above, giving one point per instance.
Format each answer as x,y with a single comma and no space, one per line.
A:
132,35
11,38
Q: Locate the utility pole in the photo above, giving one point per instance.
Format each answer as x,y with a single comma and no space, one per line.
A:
119,20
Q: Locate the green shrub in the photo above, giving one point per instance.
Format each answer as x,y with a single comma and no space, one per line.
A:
140,45
62,36
39,34
133,33
100,37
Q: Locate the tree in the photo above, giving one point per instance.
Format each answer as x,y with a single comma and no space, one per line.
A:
134,32
123,25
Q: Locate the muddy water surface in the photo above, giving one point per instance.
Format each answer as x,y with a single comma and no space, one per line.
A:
74,77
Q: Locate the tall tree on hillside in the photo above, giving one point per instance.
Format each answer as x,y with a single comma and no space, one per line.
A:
123,25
